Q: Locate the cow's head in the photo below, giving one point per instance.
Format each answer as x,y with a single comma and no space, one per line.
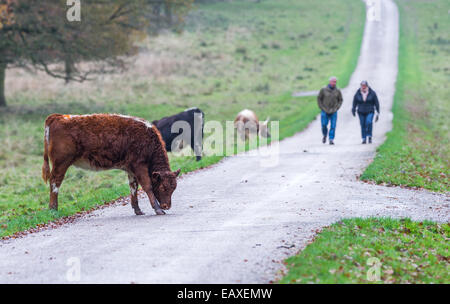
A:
264,128
164,184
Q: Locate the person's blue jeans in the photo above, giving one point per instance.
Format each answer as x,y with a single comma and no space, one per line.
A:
325,118
366,121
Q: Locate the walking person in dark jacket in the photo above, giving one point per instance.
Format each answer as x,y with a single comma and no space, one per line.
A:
329,101
366,101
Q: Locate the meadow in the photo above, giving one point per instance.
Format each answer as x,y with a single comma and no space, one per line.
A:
417,150
230,56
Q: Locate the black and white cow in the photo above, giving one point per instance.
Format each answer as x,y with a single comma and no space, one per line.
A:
172,129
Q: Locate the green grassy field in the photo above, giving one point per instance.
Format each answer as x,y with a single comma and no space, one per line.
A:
375,250
417,150
231,56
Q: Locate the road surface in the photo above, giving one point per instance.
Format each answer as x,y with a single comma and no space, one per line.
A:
235,222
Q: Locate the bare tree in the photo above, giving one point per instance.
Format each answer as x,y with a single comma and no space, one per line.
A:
37,34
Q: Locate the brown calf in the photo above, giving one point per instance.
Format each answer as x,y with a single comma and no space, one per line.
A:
109,141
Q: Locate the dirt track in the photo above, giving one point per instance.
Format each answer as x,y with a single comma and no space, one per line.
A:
235,221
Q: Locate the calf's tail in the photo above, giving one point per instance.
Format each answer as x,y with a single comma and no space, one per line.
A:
45,166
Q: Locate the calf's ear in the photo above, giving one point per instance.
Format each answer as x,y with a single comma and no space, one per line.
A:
177,172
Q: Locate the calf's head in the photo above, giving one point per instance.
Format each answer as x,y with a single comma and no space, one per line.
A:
164,184
264,128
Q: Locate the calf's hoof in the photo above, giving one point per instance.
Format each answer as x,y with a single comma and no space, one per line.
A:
138,212
159,212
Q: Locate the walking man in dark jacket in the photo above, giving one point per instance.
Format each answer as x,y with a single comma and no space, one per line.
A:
366,101
329,100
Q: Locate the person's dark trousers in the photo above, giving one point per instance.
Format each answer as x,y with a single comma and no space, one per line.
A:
366,121
325,118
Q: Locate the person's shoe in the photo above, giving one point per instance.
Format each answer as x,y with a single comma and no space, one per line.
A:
364,141
370,140
324,139
331,142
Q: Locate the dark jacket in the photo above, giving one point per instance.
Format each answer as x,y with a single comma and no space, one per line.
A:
367,106
329,100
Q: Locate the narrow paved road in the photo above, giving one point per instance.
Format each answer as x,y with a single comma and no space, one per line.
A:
235,222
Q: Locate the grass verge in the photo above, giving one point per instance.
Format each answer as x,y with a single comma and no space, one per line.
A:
374,250
417,150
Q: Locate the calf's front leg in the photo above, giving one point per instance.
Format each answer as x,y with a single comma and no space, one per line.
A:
144,180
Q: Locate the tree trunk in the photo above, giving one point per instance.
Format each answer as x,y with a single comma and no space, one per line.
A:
69,69
2,84
157,14
168,11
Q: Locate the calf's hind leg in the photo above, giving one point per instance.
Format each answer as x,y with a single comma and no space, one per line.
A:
133,190
56,179
61,154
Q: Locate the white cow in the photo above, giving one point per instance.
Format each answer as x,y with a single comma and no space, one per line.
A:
247,123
